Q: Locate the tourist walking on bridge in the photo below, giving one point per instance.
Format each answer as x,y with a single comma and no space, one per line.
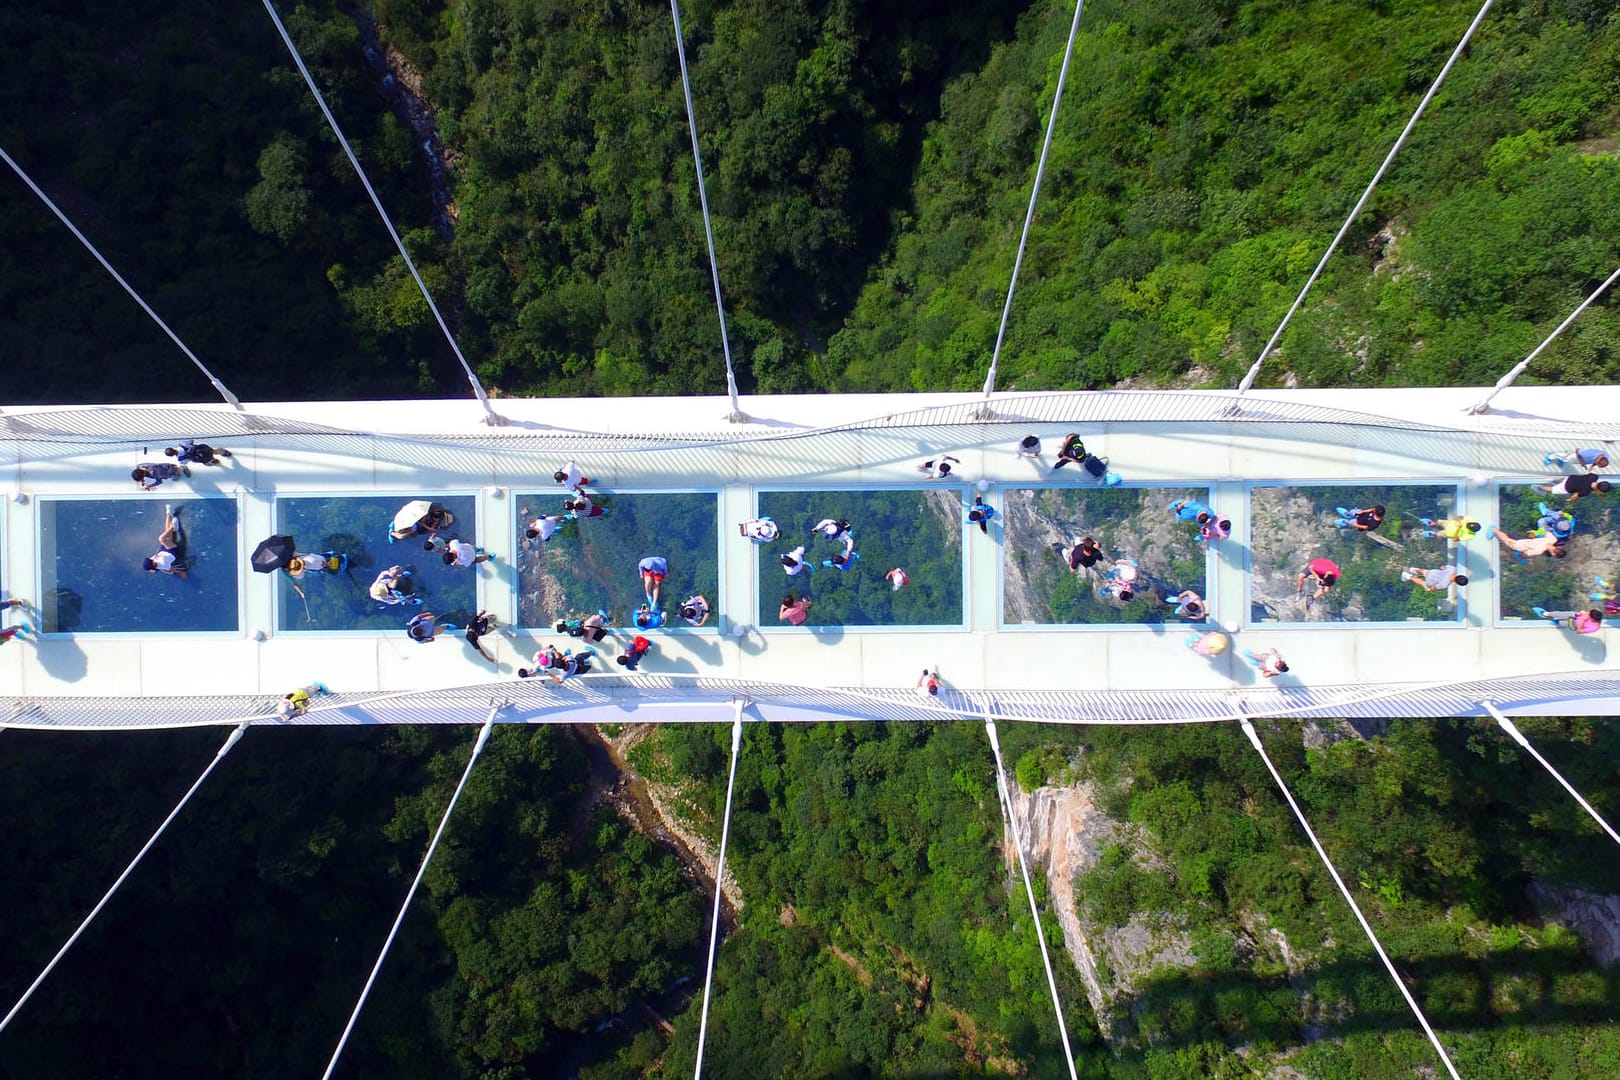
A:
794,610
1323,572
1189,605
425,627
297,702
1531,546
897,578
1556,523
938,468
1362,519
1582,622
1458,529
570,477
630,659
191,452
794,563
544,527
1591,459
592,628
1575,486
1436,580
1269,664
459,552
760,530
981,514
695,611
149,474
171,552
394,585
1085,555
653,569
419,517
481,625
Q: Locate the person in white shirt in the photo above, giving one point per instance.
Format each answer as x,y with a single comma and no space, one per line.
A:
570,477
793,563
543,527
460,553
760,530
394,586
695,611
171,553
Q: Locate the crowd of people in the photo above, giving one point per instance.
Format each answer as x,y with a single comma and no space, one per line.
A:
831,545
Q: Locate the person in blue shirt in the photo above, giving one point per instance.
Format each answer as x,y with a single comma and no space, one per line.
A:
1191,510
1589,458
981,514
648,618
842,561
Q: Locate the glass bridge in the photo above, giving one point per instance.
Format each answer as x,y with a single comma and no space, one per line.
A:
1012,631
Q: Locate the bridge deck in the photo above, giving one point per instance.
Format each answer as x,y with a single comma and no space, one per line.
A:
408,449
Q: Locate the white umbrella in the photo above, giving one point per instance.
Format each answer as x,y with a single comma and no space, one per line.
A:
411,513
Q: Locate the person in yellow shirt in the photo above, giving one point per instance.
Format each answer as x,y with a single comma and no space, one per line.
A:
1458,529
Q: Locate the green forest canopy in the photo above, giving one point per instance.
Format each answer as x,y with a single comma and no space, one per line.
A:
869,164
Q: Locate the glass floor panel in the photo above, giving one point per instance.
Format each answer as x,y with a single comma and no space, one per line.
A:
1134,524
91,552
590,564
918,531
358,527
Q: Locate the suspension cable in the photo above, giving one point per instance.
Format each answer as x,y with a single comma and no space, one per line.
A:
1254,369
737,416
230,741
1400,984
478,748
719,876
1483,405
229,397
1029,215
1005,793
491,417
1518,737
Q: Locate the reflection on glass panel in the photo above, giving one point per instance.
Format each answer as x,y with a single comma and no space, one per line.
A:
1147,557
918,532
92,552
347,540
589,563
1373,541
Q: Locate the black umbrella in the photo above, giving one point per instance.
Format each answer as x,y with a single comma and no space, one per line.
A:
273,554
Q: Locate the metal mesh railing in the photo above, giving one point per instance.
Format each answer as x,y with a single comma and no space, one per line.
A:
1084,408
703,699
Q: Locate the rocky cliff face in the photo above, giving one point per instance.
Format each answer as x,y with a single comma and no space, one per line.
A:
1592,915
1064,833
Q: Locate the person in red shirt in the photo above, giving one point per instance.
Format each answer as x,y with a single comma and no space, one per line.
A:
1325,572
639,647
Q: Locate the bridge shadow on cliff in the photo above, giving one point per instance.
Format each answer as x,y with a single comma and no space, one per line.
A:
1526,988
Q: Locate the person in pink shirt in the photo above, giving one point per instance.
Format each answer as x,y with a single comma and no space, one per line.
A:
1325,572
794,609
1582,622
